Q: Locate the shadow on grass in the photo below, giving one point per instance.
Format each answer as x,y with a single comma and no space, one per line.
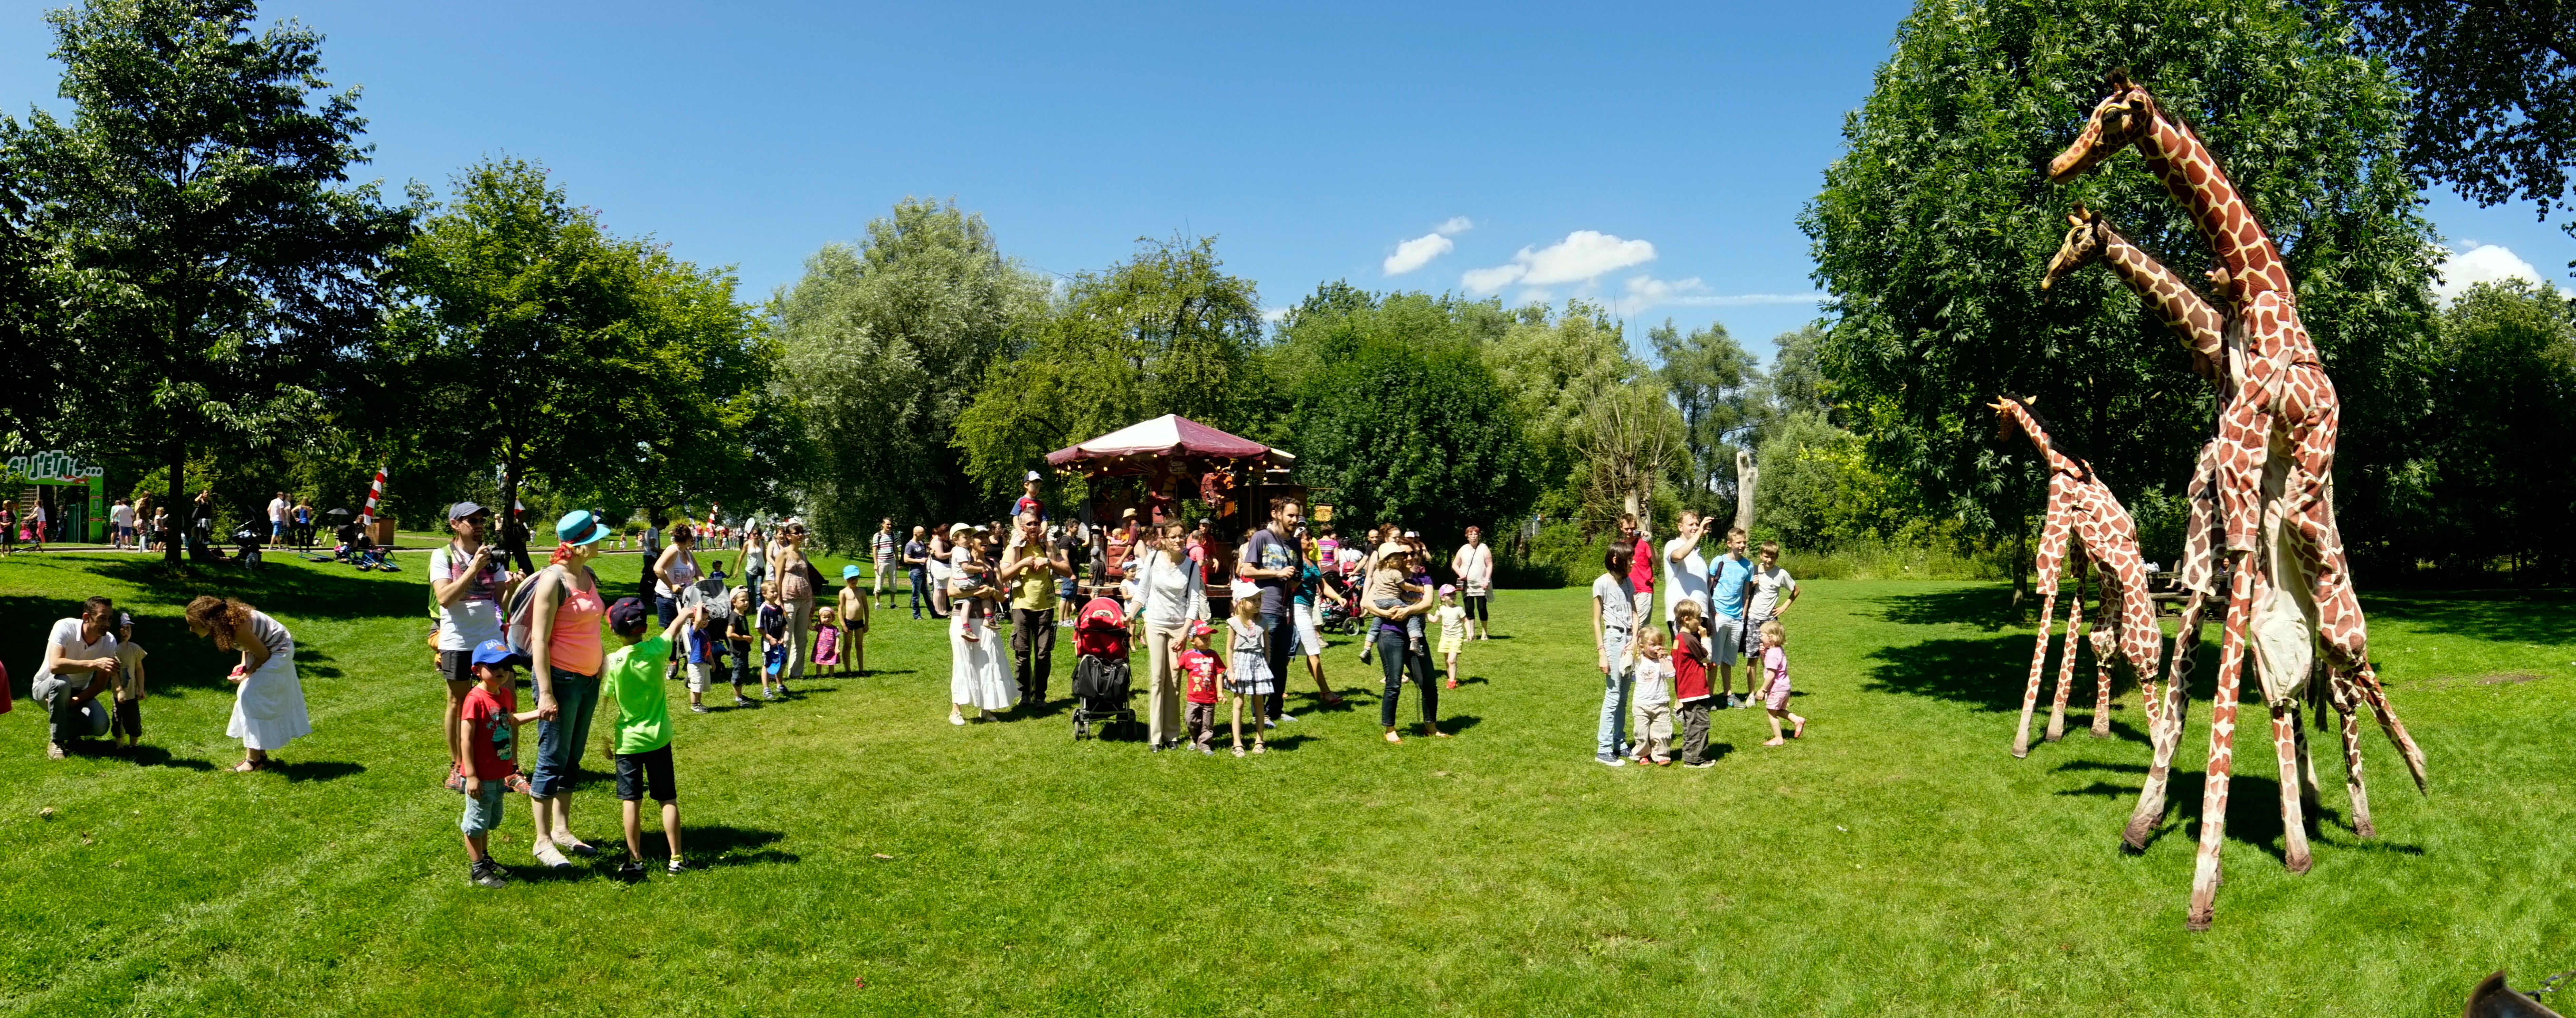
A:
721,845
1988,608
316,770
155,756
1990,673
1455,723
2513,616
1285,743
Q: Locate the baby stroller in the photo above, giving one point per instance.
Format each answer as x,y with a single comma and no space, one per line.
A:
1335,616
1100,673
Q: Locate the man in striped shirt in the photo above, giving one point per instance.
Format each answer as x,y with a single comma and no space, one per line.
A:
882,548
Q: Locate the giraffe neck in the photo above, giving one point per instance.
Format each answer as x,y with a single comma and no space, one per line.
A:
2191,174
2058,462
2193,319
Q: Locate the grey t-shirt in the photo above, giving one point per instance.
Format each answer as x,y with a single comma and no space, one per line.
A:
1618,607
1267,551
1767,585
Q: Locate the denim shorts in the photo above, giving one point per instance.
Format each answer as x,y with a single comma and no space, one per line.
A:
483,812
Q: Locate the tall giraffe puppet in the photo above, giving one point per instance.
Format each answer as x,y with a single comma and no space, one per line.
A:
2281,397
2082,508
2201,327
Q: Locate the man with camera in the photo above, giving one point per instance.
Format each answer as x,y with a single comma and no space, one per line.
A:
1030,568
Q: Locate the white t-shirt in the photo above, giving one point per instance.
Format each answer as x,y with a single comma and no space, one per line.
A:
277,510
1767,585
1616,611
1654,686
1689,578
67,635
1475,566
122,514
476,616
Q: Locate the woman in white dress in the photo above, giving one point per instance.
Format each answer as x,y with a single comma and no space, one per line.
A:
268,706
976,675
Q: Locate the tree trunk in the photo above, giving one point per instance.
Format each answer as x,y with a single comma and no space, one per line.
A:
182,512
1747,474
514,539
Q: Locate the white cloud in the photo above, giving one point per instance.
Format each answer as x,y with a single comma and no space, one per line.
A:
2480,263
1275,315
1644,291
1416,253
1582,255
1419,251
1534,296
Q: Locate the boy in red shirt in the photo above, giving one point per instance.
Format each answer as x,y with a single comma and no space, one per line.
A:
1199,669
488,743
1690,681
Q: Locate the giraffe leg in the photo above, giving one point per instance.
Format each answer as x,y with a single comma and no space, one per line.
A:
2244,442
2038,669
2345,632
2222,738
2352,783
2104,652
2311,803
2066,665
2294,827
2166,733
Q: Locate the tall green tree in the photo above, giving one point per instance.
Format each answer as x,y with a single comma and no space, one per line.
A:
1553,370
220,276
2494,91
1394,415
537,343
2504,474
1165,332
1933,227
883,346
1715,385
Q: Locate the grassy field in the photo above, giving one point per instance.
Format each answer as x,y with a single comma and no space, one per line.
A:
1898,861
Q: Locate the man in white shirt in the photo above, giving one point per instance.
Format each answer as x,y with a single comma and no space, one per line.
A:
277,508
122,516
1685,569
80,659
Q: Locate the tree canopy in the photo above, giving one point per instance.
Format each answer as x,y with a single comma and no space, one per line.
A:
2494,91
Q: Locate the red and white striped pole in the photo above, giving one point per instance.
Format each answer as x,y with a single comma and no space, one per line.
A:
367,516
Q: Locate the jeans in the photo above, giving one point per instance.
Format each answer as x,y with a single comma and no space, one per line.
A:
1614,694
1033,651
1397,657
70,720
559,741
1281,631
920,582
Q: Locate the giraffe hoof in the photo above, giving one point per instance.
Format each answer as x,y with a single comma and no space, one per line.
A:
2366,829
2300,863
2198,923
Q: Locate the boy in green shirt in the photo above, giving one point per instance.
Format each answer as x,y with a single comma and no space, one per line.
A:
632,676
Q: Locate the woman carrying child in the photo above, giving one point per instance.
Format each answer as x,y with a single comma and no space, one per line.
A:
1249,649
1399,652
1775,683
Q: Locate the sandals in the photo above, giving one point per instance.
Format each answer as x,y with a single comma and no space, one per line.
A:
248,766
1238,751
1260,747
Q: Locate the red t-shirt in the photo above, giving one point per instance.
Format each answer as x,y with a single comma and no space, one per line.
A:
490,742
1641,568
1201,668
1690,667
1027,504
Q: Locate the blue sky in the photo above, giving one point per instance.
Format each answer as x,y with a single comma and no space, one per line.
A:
1652,156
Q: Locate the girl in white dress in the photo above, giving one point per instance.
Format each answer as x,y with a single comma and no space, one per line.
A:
268,706
976,676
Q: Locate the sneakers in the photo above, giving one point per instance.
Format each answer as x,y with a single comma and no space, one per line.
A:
769,695
1608,760
486,873
675,867
1285,717
740,700
53,751
1702,765
699,708
548,855
632,871
573,845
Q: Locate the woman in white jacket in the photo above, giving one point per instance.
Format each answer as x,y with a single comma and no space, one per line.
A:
1166,598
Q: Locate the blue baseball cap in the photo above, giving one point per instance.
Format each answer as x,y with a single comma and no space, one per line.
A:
580,527
494,652
850,572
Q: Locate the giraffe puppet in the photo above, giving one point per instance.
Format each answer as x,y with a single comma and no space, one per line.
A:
2082,510
2289,589
2201,327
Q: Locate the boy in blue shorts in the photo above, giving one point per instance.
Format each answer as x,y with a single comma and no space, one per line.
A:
487,741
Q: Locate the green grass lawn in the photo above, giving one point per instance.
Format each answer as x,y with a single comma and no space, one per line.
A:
1898,861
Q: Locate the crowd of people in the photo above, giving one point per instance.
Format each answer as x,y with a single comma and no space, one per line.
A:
1269,596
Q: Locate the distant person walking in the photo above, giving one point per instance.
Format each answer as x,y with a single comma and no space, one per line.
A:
1474,565
916,568
268,700
37,518
1614,623
120,518
881,549
277,509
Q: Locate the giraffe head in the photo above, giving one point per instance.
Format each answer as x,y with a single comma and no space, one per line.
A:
2086,237
2014,413
2121,118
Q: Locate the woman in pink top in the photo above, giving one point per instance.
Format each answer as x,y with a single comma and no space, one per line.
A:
564,667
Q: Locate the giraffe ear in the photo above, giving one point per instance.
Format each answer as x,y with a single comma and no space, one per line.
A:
2074,219
2029,400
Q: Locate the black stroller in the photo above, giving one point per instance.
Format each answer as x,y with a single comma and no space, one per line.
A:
1100,684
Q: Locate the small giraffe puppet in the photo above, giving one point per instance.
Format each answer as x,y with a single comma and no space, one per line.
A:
2289,589
2085,521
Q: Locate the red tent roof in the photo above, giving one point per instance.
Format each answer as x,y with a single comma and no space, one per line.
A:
1168,435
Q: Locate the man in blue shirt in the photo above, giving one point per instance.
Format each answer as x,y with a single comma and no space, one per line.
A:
1728,576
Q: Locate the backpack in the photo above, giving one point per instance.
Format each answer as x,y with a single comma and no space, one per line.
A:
522,610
